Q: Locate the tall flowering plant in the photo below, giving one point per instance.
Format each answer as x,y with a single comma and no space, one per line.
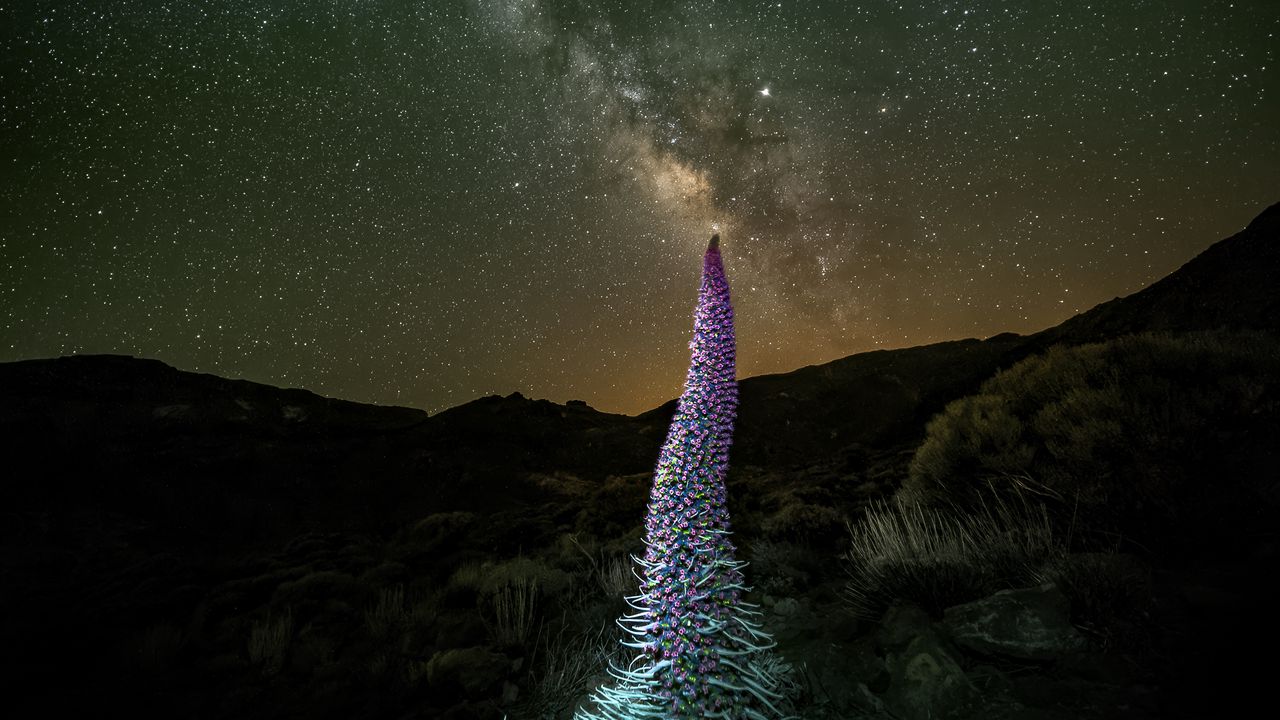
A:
699,648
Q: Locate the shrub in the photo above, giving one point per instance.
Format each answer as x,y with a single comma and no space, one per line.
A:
379,665
485,580
433,530
509,593
388,614
312,653
314,591
800,520
158,647
1111,596
937,557
569,667
615,507
1117,430
514,608
779,568
269,643
614,576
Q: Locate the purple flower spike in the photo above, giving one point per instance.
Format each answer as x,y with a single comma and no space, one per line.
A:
687,540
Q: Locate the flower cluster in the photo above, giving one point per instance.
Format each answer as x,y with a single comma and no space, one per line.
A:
696,640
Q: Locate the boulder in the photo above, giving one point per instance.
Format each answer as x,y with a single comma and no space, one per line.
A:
1027,624
786,607
926,682
844,679
901,624
476,671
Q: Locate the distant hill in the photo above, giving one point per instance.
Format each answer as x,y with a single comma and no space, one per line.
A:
230,461
1232,285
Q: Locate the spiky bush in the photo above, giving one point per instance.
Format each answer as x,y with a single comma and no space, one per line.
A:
514,612
269,643
698,648
939,557
566,668
388,614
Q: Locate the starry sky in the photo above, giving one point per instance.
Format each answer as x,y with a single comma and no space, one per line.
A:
423,202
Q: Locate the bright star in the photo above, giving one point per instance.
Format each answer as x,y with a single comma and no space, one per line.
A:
765,92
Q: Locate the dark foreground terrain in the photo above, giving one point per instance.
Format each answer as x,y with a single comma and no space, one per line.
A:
1090,533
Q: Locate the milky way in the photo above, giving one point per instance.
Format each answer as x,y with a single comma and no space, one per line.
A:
423,202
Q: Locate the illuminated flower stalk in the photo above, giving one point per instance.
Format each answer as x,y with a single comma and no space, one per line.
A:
699,648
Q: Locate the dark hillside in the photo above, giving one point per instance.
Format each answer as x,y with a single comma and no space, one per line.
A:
1231,285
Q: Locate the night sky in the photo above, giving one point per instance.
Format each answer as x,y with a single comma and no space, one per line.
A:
420,203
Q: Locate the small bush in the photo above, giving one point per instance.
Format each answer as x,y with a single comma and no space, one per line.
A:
385,574
616,508
800,520
424,610
379,665
388,614
509,593
1111,596
614,576
435,530
314,591
311,653
485,580
937,558
158,648
779,568
514,607
569,668
269,643
469,576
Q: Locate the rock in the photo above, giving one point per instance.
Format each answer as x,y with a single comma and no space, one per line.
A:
990,680
1028,624
460,629
786,607
866,701
841,626
475,670
926,682
510,692
839,676
171,412
901,624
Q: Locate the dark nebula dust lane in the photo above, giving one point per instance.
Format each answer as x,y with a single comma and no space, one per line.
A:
422,202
